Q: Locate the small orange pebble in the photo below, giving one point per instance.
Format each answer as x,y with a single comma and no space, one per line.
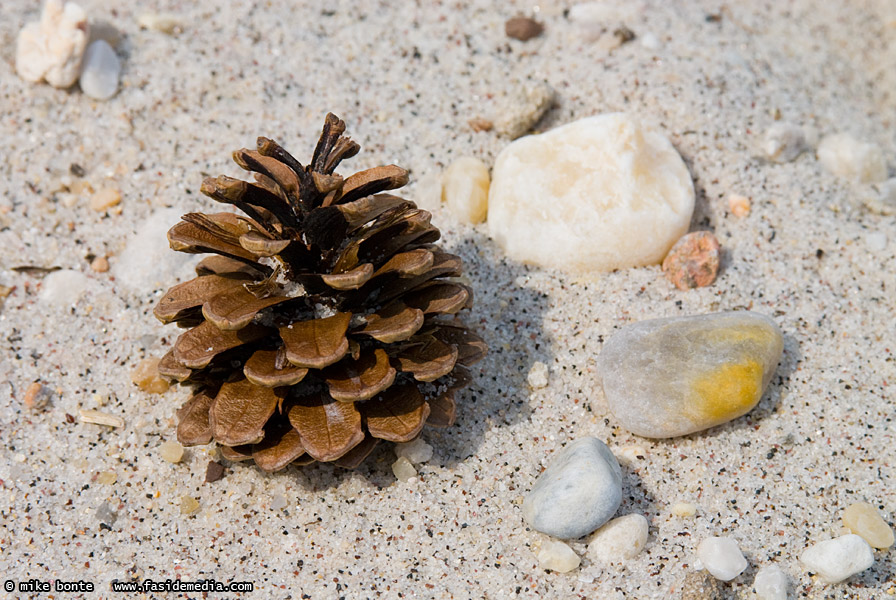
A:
739,205
100,264
693,261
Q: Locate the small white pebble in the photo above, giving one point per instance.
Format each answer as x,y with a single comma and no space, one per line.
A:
417,451
278,502
100,71
622,538
538,375
557,556
881,198
840,558
683,509
850,158
403,469
630,454
465,189
164,22
650,41
63,288
722,557
783,142
771,583
171,451
876,241
19,457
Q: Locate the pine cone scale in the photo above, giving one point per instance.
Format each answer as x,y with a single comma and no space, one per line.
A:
328,428
261,369
396,415
317,343
352,380
240,411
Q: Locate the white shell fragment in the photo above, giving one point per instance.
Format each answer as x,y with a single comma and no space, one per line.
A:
840,558
99,75
598,194
849,158
722,557
51,49
465,189
100,418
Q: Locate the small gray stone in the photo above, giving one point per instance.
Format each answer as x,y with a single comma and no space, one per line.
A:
577,493
105,514
700,585
100,71
670,377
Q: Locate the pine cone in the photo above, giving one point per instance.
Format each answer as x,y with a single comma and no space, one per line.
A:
317,327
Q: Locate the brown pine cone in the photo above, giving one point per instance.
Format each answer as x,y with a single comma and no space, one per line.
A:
318,326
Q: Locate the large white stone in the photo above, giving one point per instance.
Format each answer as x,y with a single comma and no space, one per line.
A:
598,194
837,559
52,48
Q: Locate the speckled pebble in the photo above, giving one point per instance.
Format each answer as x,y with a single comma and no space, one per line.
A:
557,556
578,492
693,261
417,451
853,159
538,375
770,583
675,376
783,142
700,585
621,539
37,396
838,559
721,556
100,71
522,109
862,519
403,469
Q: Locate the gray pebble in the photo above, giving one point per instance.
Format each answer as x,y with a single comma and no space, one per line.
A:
105,514
100,71
577,493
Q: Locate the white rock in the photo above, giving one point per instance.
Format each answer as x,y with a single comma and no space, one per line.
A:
557,556
598,194
465,189
876,241
650,41
99,74
538,375
837,559
783,142
592,19
771,583
847,157
622,538
164,22
683,509
417,451
147,262
52,49
721,557
278,502
63,288
578,492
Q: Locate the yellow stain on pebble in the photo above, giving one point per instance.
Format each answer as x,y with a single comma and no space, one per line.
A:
726,392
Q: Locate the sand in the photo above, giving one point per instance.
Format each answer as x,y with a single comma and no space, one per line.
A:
407,78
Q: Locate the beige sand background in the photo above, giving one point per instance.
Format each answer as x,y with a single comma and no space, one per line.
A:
407,77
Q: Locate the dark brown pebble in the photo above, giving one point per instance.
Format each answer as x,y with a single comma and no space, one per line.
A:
523,28
214,472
